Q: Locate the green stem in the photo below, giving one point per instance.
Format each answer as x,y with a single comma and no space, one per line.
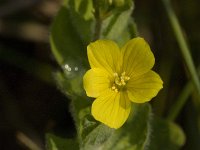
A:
97,30
98,21
182,99
182,43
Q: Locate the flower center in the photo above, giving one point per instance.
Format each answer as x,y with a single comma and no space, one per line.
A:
119,81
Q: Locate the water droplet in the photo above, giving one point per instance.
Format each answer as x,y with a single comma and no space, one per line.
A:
67,67
76,68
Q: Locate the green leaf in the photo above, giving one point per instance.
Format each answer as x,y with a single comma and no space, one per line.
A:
128,33
82,18
93,135
73,89
132,135
140,132
68,87
165,135
65,41
57,143
135,133
70,53
116,24
83,7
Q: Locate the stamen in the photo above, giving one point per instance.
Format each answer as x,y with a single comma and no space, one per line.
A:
123,82
119,81
115,74
113,87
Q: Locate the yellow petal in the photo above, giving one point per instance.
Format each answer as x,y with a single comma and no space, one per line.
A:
104,54
143,88
111,108
95,81
137,56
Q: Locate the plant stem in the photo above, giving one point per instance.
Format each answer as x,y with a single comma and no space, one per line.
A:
97,30
182,43
98,21
182,99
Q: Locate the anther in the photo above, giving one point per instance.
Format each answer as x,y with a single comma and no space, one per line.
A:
113,87
115,74
119,81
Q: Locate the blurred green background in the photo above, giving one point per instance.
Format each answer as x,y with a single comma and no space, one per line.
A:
30,102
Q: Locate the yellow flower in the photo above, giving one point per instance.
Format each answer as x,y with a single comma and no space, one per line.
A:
118,77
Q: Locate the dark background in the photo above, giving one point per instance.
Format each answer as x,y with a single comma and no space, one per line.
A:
30,102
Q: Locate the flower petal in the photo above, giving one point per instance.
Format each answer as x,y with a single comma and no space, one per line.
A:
137,56
95,81
143,88
104,54
111,108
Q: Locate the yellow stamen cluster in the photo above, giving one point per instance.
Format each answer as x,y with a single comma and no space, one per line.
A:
119,82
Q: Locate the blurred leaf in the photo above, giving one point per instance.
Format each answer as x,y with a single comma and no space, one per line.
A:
191,126
70,53
132,28
65,42
128,33
57,143
122,4
109,7
165,135
83,7
114,25
67,86
82,18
